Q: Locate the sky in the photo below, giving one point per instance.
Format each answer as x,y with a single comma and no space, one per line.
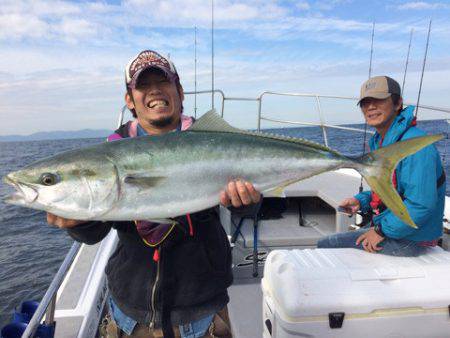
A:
62,62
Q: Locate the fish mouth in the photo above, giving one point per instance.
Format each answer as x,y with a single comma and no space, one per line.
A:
24,194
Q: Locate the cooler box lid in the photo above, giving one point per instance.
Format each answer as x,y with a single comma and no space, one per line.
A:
315,282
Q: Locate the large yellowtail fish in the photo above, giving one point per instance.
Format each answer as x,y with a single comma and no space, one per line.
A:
160,177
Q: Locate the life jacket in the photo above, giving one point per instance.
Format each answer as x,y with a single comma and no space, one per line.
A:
152,234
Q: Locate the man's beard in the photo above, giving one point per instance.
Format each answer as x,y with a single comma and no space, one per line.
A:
162,122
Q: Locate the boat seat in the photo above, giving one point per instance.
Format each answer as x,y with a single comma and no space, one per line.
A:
332,187
319,220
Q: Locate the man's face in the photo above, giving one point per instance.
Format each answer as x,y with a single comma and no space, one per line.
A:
379,113
156,99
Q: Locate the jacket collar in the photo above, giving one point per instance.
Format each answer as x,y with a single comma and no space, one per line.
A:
400,124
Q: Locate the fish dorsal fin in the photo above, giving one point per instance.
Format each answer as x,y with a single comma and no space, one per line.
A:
212,122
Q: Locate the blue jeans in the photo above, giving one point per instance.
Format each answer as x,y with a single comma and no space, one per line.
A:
393,247
126,324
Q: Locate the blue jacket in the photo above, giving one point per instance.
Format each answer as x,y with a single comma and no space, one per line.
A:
417,176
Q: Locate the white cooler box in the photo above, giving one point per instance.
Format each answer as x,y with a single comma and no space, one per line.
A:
351,293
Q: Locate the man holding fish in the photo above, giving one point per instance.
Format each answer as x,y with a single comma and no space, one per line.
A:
419,179
192,259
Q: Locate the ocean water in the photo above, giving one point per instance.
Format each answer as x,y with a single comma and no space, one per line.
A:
31,250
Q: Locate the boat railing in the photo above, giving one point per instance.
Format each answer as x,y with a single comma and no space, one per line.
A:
48,303
317,97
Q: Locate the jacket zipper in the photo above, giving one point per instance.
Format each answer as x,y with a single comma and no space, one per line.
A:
153,301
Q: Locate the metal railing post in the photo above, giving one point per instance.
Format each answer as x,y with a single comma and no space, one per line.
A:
50,294
223,105
50,313
121,115
259,111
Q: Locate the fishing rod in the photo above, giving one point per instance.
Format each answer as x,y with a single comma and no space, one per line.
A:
423,69
212,54
407,59
195,71
371,50
365,124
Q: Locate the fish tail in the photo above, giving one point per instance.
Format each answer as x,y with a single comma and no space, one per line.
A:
378,167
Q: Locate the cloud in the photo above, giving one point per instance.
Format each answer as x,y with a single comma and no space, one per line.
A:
132,23
421,5
18,26
51,20
188,12
328,5
43,8
75,29
303,5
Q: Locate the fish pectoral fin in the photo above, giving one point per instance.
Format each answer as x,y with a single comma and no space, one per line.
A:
143,181
162,221
277,192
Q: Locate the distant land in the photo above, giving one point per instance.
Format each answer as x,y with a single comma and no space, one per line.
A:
57,135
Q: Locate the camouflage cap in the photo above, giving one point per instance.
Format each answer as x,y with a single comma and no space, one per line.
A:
145,60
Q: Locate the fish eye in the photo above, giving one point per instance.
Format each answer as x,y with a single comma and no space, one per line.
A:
49,179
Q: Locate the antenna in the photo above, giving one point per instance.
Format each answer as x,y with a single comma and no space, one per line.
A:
407,59
423,69
195,71
371,50
212,54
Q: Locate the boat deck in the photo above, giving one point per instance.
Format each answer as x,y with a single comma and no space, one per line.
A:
318,197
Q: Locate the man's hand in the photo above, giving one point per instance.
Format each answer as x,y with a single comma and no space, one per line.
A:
370,241
350,205
61,222
239,193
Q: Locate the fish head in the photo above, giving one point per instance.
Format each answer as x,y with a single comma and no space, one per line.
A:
67,186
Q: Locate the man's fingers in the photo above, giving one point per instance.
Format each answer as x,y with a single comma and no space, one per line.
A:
239,193
377,248
224,199
344,203
360,238
61,222
350,201
351,204
244,195
51,218
366,245
254,195
234,195
370,247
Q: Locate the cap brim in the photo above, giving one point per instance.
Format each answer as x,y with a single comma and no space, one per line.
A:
166,71
375,95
